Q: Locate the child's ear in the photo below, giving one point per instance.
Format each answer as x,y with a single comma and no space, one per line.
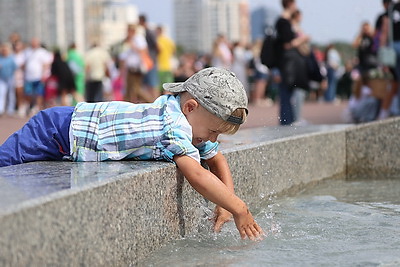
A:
189,106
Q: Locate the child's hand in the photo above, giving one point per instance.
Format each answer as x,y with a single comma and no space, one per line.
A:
247,226
221,216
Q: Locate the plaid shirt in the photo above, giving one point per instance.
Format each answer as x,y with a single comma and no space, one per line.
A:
121,130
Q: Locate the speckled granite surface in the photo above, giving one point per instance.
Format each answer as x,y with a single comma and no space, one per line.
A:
373,150
116,213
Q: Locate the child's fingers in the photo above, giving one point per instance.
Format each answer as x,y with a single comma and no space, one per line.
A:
249,233
257,232
218,226
242,233
259,229
253,232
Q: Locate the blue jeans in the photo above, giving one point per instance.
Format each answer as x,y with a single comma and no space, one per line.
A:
7,96
44,137
286,109
151,77
34,88
330,93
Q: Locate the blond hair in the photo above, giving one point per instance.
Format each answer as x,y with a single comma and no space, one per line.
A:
230,128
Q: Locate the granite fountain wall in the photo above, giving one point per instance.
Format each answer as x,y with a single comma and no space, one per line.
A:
117,213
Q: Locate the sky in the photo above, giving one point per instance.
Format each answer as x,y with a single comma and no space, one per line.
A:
324,20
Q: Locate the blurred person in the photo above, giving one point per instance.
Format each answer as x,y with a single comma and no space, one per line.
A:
203,61
7,69
119,75
120,49
291,65
186,67
273,84
240,63
299,94
258,74
14,38
345,83
166,47
150,79
112,73
304,48
19,58
36,67
117,84
378,33
51,92
363,106
333,62
364,43
383,30
318,80
123,45
380,39
96,69
221,53
65,79
130,67
77,65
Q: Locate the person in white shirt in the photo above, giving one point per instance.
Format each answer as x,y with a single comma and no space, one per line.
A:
37,61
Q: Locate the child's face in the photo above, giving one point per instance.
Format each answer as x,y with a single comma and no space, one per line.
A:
204,124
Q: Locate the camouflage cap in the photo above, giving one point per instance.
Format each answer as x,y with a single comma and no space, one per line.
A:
217,90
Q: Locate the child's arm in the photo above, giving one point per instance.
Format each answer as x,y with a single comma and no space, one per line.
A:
220,168
208,185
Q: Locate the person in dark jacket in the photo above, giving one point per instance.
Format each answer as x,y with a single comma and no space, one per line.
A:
65,78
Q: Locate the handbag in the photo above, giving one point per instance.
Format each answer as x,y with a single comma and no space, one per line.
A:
295,69
146,63
387,56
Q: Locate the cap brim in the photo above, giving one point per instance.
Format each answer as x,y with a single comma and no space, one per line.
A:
173,87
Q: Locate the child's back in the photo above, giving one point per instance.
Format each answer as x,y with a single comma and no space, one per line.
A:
122,130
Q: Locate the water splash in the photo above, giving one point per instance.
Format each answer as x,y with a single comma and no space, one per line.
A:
340,223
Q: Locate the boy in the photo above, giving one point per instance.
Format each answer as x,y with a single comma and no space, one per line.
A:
180,128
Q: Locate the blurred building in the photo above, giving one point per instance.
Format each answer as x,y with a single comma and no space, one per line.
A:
106,21
198,22
60,22
261,18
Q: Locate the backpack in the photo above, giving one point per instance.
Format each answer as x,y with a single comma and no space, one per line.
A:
268,54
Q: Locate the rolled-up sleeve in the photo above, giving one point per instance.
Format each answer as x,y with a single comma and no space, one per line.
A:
177,142
208,149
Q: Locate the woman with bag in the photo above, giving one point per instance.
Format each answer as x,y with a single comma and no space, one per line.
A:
292,65
135,62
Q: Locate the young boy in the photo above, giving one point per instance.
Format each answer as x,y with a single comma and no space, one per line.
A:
180,128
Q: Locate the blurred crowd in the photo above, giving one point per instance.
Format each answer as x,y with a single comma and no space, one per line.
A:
368,79
375,80
33,78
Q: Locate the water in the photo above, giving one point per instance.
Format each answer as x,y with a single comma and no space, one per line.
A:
335,223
